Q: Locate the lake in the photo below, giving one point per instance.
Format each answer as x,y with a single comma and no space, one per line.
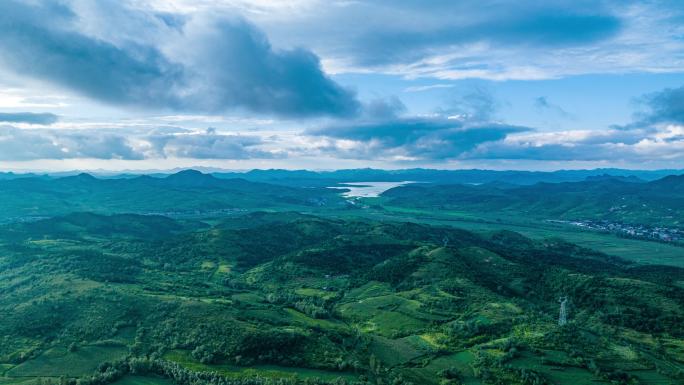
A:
368,189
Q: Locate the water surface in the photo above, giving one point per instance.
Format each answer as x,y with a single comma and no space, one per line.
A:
368,189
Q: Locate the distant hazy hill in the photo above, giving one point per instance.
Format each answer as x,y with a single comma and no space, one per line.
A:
656,202
184,192
78,225
11,175
327,178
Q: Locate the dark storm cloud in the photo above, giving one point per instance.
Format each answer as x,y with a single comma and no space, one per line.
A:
208,63
28,117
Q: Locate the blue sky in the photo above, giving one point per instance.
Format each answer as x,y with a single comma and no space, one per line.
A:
319,84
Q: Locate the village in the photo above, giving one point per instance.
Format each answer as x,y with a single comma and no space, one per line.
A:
663,234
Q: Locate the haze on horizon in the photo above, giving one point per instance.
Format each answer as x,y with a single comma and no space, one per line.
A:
314,84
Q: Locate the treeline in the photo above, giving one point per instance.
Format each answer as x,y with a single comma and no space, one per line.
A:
109,373
314,307
225,339
95,265
346,257
395,270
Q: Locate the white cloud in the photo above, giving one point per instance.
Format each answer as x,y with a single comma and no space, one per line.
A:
428,87
461,43
651,145
131,143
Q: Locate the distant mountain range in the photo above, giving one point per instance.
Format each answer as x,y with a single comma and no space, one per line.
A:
596,194
443,176
605,198
327,178
183,193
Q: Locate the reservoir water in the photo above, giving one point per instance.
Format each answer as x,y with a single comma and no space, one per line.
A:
368,189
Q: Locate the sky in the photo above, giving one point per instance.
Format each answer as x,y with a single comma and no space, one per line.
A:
325,84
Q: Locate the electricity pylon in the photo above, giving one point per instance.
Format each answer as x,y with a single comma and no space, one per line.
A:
563,316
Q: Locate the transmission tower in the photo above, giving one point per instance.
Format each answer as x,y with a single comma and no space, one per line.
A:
445,241
563,316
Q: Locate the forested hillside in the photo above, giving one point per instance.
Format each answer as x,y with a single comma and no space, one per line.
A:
185,193
660,202
287,298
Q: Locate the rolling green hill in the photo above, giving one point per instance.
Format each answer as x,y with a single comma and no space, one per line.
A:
286,298
659,202
185,193
473,176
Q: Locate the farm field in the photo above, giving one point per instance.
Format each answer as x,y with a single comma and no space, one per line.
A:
58,361
640,251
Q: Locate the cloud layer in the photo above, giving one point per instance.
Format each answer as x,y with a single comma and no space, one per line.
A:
29,118
133,143
665,106
489,39
468,132
204,62
497,23
255,59
634,146
412,138
385,131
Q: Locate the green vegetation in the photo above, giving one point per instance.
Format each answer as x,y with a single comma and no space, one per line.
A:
74,362
659,202
248,283
185,194
290,298
139,380
637,250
